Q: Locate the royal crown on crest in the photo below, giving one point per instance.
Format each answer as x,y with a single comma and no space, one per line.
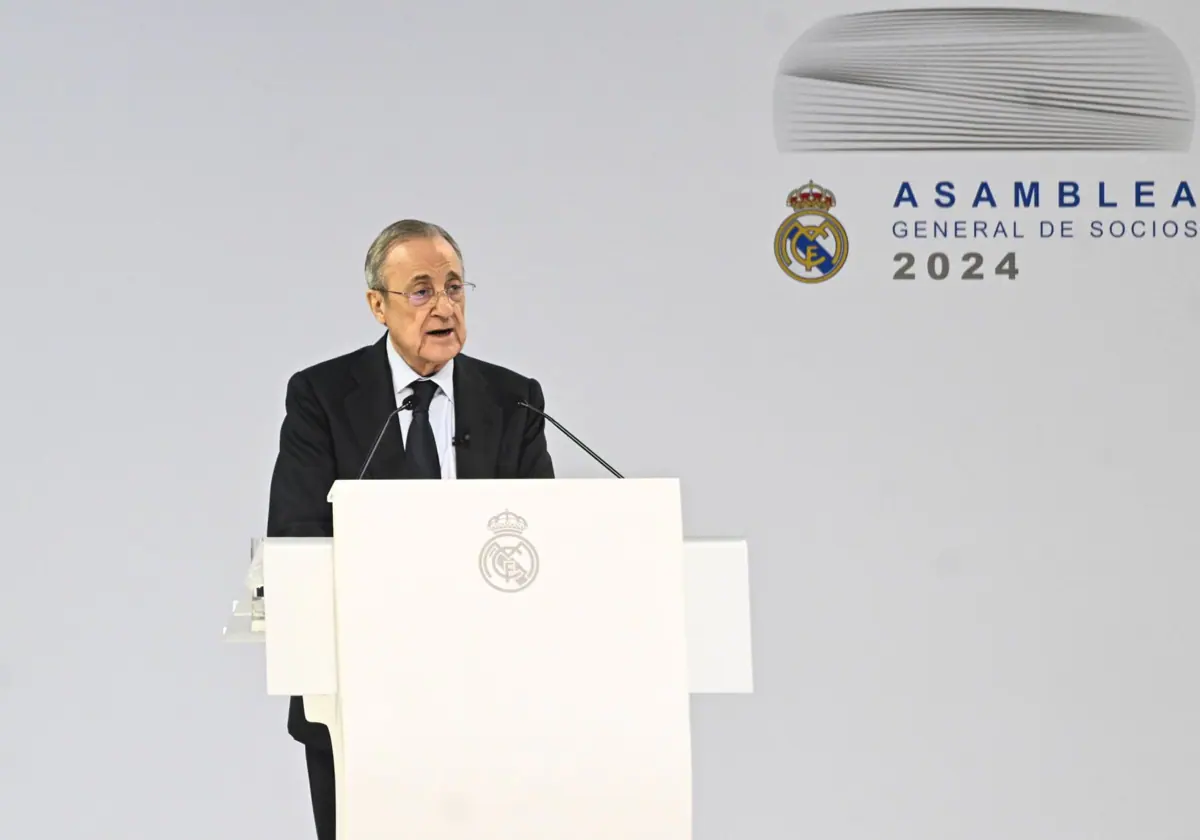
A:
508,522
810,197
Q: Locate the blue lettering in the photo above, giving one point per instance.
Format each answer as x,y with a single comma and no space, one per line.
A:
1068,194
1027,196
945,191
1144,193
983,195
1104,202
905,196
1184,193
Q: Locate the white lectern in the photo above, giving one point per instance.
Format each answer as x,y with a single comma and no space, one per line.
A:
507,660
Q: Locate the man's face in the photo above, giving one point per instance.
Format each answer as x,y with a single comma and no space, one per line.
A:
432,331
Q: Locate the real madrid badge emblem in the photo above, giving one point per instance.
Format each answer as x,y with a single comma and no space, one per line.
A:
508,561
811,245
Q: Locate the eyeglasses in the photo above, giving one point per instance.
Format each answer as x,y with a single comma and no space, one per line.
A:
454,292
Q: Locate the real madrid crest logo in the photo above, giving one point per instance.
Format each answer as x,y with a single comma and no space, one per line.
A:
811,245
508,561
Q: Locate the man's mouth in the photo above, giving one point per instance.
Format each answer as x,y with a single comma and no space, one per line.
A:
440,333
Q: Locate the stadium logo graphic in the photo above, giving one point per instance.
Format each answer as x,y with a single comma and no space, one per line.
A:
811,245
983,79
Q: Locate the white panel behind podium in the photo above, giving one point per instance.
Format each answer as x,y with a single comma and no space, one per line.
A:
301,647
716,595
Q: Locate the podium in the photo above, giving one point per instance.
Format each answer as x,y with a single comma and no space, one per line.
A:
504,659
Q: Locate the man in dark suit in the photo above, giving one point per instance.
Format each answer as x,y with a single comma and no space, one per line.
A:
464,420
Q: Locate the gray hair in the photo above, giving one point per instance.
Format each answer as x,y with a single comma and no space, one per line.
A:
404,230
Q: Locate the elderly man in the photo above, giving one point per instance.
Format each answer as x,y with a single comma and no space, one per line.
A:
464,421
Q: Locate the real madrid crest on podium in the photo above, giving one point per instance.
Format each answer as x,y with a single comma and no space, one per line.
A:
811,245
508,561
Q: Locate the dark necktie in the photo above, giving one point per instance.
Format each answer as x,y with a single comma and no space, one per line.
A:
420,450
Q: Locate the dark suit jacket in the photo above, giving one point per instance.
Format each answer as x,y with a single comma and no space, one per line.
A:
334,411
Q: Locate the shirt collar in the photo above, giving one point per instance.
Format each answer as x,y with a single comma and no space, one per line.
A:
403,375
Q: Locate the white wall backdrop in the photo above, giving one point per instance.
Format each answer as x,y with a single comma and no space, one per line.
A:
969,505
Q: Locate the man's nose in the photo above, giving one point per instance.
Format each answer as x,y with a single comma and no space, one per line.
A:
442,304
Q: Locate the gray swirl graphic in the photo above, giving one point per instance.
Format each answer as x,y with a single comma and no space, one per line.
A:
983,80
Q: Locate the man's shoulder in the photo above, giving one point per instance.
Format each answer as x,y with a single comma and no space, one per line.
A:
497,376
335,371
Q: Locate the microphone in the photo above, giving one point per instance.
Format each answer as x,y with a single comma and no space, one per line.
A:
404,406
461,441
574,439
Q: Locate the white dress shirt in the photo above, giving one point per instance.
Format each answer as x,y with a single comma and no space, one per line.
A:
441,410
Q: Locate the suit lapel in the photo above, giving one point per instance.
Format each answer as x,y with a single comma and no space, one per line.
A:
476,414
367,405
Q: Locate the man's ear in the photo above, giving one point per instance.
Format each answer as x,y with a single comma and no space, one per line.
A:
376,304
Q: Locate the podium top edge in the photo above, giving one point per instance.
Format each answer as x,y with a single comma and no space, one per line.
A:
559,483
557,480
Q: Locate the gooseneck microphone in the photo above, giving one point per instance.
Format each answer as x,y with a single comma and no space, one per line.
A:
574,439
404,406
